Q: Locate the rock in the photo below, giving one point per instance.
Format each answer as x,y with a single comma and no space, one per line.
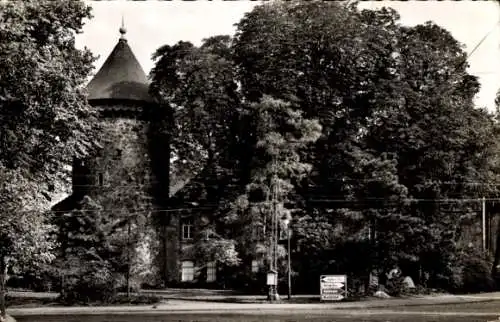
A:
381,294
408,282
394,273
8,319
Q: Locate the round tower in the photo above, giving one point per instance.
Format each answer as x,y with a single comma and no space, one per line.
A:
119,91
120,179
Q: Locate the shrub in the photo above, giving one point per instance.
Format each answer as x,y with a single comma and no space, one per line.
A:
477,275
121,283
471,272
136,299
90,283
396,286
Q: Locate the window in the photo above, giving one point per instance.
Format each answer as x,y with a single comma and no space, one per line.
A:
187,229
255,266
100,179
211,272
187,271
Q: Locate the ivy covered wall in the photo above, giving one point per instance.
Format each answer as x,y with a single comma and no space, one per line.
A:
121,180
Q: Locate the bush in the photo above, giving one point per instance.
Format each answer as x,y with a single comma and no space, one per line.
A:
135,299
45,278
396,286
471,273
121,283
477,275
94,282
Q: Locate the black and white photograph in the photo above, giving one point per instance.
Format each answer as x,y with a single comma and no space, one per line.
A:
239,160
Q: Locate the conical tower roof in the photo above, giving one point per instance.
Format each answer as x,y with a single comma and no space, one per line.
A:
121,77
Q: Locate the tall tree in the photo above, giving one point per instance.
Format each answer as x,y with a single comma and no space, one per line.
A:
197,84
391,147
44,117
197,88
306,52
281,133
390,150
441,143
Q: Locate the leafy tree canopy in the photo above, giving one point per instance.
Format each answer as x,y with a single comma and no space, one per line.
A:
44,116
397,137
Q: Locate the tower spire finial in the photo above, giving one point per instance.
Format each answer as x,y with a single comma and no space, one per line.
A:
123,31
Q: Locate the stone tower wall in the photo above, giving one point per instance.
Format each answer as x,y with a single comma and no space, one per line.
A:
121,181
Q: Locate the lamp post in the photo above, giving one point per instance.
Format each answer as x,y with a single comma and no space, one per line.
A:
275,210
286,222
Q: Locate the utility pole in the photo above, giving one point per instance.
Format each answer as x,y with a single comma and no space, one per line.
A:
483,222
128,260
276,221
288,231
273,239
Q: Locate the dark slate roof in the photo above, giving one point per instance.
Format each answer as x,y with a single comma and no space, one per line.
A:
121,77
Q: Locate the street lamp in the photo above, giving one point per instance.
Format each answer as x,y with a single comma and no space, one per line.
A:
286,222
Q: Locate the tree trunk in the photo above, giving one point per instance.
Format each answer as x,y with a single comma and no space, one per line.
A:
3,275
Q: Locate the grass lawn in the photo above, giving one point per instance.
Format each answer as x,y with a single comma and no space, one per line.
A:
27,301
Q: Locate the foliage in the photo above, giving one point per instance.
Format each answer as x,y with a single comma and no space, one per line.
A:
198,87
89,255
216,248
44,112
89,281
471,272
373,139
390,146
124,197
281,132
44,117
396,286
136,299
108,243
114,220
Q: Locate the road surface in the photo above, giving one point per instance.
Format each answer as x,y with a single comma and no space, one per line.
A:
470,312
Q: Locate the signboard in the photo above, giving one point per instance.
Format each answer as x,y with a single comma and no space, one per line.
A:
283,235
333,287
272,278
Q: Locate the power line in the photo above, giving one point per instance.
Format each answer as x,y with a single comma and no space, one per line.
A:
356,201
120,210
437,183
483,39
410,200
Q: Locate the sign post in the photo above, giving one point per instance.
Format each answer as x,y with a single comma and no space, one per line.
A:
333,287
272,282
272,278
